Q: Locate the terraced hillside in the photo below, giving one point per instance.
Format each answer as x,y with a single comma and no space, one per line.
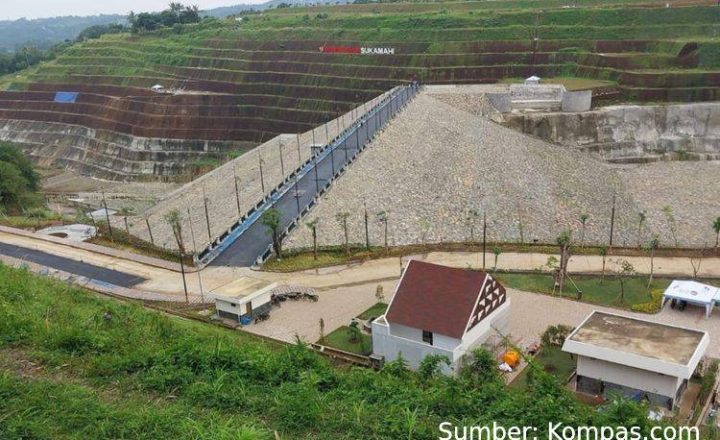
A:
240,82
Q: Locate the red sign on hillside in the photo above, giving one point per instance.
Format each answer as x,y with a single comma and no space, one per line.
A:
326,48
339,49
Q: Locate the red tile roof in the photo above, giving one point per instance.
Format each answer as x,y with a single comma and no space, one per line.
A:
436,298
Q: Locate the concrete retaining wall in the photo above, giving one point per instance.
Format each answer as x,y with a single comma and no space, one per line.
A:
578,101
631,132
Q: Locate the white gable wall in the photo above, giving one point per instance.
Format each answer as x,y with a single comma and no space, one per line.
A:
392,339
498,320
391,345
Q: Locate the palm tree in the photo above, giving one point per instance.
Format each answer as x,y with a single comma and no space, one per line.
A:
625,271
174,219
672,224
642,217
564,240
471,218
650,247
382,217
126,211
271,220
312,225
716,228
496,251
583,222
342,219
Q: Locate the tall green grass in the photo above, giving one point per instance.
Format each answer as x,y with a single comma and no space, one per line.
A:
77,366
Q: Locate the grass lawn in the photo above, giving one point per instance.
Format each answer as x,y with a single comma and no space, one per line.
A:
340,339
606,292
374,311
304,261
551,359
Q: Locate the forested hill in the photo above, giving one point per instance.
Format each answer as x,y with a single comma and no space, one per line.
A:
45,32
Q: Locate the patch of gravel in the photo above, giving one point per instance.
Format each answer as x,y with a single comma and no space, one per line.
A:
436,162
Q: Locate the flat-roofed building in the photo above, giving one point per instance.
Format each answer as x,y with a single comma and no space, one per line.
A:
245,296
635,357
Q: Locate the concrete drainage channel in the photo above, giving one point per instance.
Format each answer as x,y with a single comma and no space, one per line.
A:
247,241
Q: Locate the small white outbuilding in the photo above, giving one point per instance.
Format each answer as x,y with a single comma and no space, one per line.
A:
641,359
692,292
532,81
244,297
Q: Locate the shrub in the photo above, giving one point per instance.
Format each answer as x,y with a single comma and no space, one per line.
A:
652,306
555,335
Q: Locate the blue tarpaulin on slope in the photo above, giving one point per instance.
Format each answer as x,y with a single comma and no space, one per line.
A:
68,97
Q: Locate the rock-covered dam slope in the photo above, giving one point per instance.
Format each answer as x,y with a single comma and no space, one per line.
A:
436,163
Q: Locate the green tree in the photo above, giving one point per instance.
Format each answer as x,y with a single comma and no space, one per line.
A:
603,253
650,248
496,252
12,185
382,218
564,240
642,218
12,154
716,228
342,219
18,180
312,225
624,271
671,223
125,212
174,219
271,220
471,220
583,224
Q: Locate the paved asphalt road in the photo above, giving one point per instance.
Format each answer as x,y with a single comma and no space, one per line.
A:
255,240
110,276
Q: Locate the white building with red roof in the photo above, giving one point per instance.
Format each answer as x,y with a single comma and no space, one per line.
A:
440,310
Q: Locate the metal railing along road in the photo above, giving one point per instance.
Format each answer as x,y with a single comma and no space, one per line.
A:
247,242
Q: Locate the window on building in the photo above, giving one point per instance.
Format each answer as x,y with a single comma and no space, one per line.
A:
428,337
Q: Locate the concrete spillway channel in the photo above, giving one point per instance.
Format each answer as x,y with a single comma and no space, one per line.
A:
248,242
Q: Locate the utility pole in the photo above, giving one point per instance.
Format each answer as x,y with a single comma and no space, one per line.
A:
237,192
298,148
484,237
612,220
107,216
357,138
282,163
147,223
313,136
297,195
332,160
182,271
317,178
262,179
367,230
327,135
345,148
207,215
192,234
